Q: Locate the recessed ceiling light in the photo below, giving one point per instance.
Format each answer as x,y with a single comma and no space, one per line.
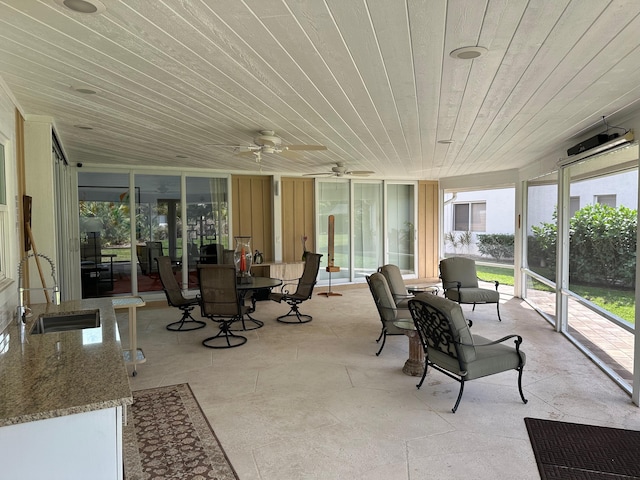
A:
84,89
468,53
83,6
83,127
445,142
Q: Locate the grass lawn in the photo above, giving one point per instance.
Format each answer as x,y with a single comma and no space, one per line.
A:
618,302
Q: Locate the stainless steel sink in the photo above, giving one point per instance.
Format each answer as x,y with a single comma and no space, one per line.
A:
66,321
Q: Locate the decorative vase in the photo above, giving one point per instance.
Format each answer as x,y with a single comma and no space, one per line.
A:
243,257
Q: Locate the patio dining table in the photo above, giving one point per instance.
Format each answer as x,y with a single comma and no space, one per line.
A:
253,285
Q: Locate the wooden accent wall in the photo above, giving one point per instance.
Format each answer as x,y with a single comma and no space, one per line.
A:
428,224
252,205
298,217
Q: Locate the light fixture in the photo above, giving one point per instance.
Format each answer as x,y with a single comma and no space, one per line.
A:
83,6
468,53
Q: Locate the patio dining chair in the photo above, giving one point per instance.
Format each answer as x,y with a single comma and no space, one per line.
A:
450,348
219,302
304,290
175,298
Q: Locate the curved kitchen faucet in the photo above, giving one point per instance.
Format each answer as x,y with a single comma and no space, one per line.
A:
22,308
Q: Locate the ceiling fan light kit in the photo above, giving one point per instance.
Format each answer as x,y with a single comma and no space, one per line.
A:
268,142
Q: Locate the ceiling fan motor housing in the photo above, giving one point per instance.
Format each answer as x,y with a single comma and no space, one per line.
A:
268,138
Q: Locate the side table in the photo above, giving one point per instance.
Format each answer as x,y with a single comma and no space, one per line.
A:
414,365
134,355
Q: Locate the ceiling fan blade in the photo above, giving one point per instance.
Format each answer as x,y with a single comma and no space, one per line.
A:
360,172
305,147
318,174
241,151
290,155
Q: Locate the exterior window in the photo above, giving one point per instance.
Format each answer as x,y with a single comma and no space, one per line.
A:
470,217
609,200
574,206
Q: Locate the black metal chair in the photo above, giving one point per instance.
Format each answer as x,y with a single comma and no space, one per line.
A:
387,309
303,292
219,302
460,283
176,299
450,348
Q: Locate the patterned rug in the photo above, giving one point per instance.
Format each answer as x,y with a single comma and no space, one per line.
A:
168,437
584,452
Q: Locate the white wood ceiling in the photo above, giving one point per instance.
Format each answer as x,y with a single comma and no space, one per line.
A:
370,79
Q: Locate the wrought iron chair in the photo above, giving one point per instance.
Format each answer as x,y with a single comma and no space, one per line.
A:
176,299
450,348
460,283
219,302
401,295
303,292
387,308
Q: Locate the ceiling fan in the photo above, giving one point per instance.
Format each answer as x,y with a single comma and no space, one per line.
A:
268,142
339,171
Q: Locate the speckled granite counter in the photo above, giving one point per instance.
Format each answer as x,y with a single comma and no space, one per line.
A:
87,373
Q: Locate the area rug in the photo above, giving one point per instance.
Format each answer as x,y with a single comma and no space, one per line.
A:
168,437
583,452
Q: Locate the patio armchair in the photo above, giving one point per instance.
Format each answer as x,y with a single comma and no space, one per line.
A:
175,298
304,290
388,311
450,348
401,295
219,302
460,283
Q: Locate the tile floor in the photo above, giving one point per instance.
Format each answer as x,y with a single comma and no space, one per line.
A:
312,401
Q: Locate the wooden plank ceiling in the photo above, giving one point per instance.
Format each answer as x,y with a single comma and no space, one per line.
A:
372,80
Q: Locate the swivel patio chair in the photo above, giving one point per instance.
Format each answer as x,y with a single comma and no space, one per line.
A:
460,283
219,302
388,311
304,290
450,348
176,299
401,295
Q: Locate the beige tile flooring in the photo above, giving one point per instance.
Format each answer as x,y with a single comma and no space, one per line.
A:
312,401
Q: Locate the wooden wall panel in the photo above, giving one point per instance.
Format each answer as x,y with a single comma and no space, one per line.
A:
428,229
298,217
252,205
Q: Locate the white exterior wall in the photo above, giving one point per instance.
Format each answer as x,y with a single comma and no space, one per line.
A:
500,205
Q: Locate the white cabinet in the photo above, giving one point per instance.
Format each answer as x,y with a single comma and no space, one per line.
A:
80,446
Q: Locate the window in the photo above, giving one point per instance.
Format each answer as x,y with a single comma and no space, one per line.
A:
609,200
470,217
574,206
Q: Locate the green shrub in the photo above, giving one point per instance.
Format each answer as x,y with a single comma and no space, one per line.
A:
496,245
602,245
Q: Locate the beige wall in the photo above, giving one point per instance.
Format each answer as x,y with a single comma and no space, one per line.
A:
252,205
298,217
428,229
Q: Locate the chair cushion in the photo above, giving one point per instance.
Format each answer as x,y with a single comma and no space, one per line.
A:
493,359
458,269
459,325
473,295
382,294
394,279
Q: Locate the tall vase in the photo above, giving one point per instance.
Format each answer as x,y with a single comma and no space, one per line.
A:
242,257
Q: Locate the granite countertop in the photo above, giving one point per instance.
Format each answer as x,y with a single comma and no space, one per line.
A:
41,378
